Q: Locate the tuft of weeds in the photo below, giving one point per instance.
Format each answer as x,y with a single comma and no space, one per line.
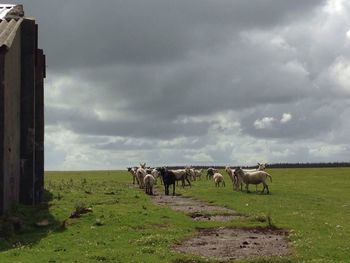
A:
99,222
80,208
270,224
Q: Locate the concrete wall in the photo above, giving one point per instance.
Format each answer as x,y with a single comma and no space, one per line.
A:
28,63
11,124
39,126
22,73
2,127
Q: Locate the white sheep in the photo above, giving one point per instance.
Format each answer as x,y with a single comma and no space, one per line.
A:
140,174
198,173
181,175
149,181
156,175
132,171
261,167
232,176
191,174
256,178
218,178
210,172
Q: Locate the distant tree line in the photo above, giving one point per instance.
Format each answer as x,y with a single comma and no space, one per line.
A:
274,165
309,165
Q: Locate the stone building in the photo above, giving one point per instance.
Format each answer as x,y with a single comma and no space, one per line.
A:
22,73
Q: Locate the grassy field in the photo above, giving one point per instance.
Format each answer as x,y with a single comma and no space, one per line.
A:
125,225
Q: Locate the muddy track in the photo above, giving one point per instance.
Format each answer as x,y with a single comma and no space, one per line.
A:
236,243
198,210
224,243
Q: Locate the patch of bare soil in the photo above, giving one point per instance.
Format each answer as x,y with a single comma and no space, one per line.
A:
226,243
196,209
221,218
200,208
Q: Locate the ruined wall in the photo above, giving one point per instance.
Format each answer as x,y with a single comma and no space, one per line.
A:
10,124
28,53
40,74
2,127
22,73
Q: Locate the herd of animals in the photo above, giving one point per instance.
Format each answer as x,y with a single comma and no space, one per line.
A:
147,177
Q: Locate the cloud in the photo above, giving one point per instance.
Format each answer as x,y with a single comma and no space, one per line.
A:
340,74
264,123
348,34
194,82
286,117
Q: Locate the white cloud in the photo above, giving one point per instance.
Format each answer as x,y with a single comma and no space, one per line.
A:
286,117
227,81
348,34
297,68
264,123
340,73
334,6
199,158
327,150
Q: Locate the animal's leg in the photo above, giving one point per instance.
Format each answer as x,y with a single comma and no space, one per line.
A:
173,189
189,183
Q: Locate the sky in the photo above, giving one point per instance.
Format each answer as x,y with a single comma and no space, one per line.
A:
194,82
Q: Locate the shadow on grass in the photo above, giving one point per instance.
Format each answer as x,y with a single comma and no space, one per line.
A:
27,225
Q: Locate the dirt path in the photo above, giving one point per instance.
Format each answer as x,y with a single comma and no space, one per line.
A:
233,243
224,243
198,210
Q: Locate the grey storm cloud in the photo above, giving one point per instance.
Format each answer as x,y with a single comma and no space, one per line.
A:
308,119
83,123
91,34
200,80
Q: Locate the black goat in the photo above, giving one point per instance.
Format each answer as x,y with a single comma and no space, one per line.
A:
169,178
211,172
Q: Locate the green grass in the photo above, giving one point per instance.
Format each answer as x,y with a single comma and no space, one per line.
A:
125,226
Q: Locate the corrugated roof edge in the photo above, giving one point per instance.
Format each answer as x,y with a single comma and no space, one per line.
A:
4,9
10,21
8,30
15,13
